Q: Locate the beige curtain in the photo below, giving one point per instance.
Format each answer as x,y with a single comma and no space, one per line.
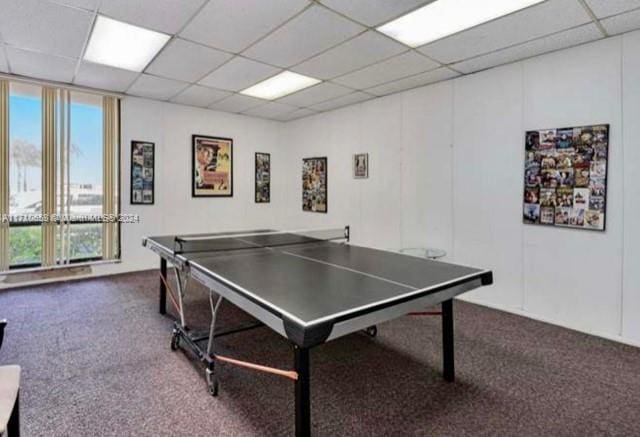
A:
49,153
4,174
62,181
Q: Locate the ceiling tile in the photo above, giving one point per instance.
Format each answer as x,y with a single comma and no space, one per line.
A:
400,66
89,5
237,103
155,87
238,74
40,66
270,110
349,99
607,8
569,38
537,21
4,67
44,26
167,16
374,12
104,77
315,94
298,113
186,61
622,23
363,50
311,32
413,81
197,95
233,25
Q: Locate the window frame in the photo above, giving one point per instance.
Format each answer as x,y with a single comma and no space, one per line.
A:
117,192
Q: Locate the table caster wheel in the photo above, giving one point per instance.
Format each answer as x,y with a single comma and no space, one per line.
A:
372,331
212,382
175,340
213,389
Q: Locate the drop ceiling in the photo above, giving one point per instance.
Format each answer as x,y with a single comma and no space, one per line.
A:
219,47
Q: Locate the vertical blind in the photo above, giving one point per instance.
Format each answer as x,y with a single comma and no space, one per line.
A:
4,174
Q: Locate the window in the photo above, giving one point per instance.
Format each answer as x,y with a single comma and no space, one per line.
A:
59,171
85,175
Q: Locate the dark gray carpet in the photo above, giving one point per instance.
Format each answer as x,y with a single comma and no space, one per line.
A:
96,361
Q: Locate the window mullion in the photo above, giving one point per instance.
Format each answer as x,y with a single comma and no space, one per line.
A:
4,174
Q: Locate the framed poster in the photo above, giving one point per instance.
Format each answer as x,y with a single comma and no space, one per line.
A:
142,172
565,177
211,166
263,178
314,184
361,166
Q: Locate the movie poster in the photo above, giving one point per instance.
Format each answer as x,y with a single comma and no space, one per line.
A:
212,166
565,177
361,166
263,178
142,173
314,184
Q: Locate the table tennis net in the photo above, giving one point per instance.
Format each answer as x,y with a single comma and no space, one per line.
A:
256,239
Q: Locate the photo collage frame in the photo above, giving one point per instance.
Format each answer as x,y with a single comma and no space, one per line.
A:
565,176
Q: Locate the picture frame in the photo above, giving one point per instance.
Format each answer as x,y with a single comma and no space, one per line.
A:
142,183
565,177
361,166
315,192
211,166
262,178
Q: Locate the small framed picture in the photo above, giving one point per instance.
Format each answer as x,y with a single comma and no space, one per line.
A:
142,173
361,165
263,178
211,166
314,184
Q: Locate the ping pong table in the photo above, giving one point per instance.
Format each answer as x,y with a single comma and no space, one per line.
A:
311,287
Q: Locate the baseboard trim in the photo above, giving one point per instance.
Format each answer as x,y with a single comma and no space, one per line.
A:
519,312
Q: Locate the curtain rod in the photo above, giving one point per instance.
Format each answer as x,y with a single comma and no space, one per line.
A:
24,79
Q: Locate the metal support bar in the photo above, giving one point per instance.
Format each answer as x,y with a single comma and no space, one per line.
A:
447,340
181,287
302,392
171,294
212,328
163,287
238,329
426,313
265,369
200,336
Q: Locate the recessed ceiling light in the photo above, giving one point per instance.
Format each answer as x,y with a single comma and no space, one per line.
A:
446,17
123,45
280,85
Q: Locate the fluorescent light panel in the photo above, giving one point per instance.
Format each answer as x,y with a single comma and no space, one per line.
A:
280,85
446,17
123,45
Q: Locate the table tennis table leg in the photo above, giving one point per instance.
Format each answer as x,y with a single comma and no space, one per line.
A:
447,340
302,392
163,286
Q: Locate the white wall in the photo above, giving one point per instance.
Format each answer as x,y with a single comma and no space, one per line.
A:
170,127
364,204
447,171
630,181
